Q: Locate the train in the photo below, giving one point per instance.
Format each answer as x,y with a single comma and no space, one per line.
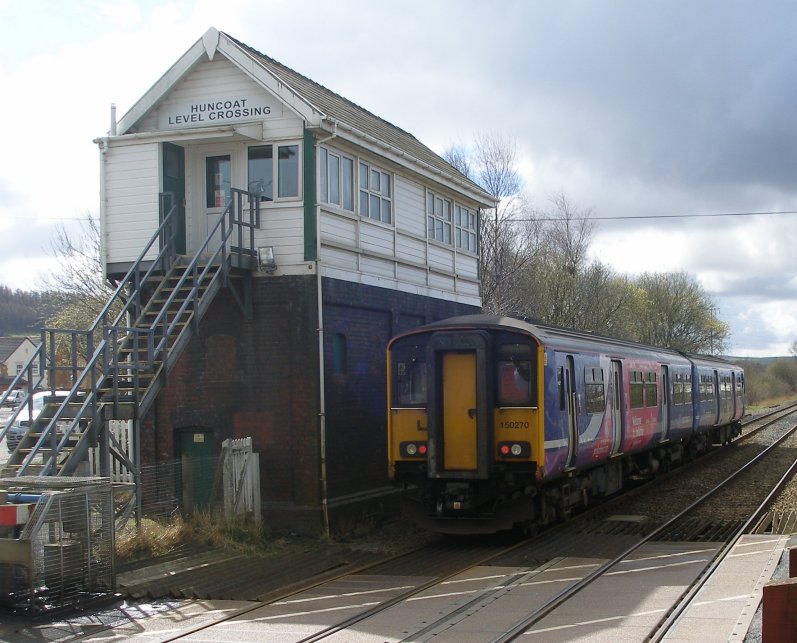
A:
495,423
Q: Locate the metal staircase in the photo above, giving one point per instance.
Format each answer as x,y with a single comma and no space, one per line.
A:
117,367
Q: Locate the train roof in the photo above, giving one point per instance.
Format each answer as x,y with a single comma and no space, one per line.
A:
567,338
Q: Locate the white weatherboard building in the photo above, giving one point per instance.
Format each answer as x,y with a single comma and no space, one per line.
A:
362,232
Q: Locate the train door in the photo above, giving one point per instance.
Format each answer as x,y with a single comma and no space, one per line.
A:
665,402
615,382
460,436
572,411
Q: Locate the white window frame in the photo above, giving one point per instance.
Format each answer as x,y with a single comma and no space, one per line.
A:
439,218
326,180
372,193
465,226
275,185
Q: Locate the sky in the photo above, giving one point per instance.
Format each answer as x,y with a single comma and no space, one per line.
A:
670,121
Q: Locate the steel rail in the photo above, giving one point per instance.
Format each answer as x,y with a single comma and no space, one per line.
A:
520,626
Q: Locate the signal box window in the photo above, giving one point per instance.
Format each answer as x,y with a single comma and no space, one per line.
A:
262,172
376,200
336,178
339,361
596,399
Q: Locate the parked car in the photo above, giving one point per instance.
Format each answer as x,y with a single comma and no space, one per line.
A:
14,397
27,415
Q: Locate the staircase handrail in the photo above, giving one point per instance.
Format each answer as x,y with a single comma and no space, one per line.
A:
209,258
90,399
166,231
106,352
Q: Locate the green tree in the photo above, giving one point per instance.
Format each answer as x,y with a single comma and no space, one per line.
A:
677,313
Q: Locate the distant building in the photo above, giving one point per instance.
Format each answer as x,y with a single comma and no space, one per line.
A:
364,232
14,354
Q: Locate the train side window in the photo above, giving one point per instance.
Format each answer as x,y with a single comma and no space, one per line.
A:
636,390
411,382
651,390
593,381
677,389
688,388
560,383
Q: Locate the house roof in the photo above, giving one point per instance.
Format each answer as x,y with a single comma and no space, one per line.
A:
319,106
9,344
344,111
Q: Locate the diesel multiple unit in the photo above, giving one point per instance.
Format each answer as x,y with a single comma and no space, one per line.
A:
495,422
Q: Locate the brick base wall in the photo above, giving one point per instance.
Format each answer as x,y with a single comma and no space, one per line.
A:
260,378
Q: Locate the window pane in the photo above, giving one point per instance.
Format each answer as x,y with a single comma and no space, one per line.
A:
363,176
346,180
385,210
363,203
261,172
217,181
334,179
411,380
513,382
288,170
374,186
323,193
429,203
374,207
385,185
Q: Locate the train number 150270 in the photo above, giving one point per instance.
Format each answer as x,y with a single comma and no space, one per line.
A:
514,425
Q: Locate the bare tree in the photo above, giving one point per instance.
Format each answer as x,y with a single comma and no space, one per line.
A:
508,235
79,285
793,348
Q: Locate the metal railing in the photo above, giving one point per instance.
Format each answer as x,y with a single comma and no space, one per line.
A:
113,373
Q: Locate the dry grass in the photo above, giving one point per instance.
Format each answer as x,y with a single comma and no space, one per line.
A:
159,537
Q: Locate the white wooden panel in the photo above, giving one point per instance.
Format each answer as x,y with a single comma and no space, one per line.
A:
410,249
411,275
216,80
378,267
130,210
339,229
467,266
339,258
443,282
409,206
469,288
441,258
282,228
375,238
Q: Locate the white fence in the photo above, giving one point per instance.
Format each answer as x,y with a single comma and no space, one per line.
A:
241,470
122,432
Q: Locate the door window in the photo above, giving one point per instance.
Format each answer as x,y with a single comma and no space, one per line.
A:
217,181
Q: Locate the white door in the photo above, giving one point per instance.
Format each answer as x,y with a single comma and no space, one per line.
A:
218,170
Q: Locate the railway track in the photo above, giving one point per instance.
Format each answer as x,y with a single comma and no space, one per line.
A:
438,588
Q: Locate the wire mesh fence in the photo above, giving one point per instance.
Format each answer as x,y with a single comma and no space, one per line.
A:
63,554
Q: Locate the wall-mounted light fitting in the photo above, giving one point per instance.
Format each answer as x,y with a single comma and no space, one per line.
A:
266,260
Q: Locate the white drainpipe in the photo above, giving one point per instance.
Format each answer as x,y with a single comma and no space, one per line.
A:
322,417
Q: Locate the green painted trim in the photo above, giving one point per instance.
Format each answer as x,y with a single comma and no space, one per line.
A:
310,222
